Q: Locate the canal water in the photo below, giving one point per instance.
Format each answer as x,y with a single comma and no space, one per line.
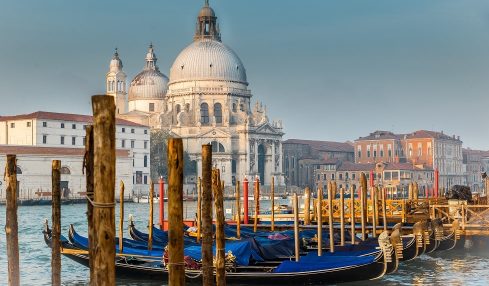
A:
448,268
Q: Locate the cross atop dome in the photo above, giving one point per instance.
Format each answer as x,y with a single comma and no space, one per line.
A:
207,27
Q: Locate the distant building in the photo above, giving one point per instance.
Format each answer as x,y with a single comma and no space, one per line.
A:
393,176
425,148
63,130
34,170
474,166
301,157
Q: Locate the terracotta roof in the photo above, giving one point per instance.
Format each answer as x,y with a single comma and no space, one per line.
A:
349,166
328,146
431,134
57,151
65,117
381,135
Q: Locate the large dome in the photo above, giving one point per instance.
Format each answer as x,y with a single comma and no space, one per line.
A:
207,59
148,84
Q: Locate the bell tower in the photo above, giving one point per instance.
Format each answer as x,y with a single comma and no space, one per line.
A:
207,27
116,84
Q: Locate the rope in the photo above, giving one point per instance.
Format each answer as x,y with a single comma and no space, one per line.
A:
197,275
100,205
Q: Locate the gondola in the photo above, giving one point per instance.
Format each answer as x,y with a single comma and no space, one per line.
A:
450,241
407,242
435,234
311,269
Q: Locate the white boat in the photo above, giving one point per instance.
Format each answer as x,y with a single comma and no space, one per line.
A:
145,200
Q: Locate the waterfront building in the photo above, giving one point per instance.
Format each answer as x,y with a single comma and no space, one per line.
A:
34,165
63,130
379,146
205,99
392,175
301,157
474,166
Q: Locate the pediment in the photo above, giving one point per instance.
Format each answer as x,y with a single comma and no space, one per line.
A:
215,133
266,128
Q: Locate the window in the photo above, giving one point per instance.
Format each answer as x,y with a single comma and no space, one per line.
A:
353,176
218,113
123,143
145,161
44,139
234,107
332,176
341,176
123,130
132,143
145,144
44,124
177,109
132,130
389,153
62,125
145,131
73,126
217,147
12,125
204,113
233,166
145,180
151,107
28,124
375,153
73,140
84,141
84,127
62,140
359,153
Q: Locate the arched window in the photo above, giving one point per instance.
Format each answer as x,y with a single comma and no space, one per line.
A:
204,113
177,109
65,171
217,147
218,113
234,107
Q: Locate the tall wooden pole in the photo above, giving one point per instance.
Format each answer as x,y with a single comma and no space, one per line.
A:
150,221
342,216
245,201
176,267
330,216
199,208
238,208
218,190
352,214
207,265
273,204
384,210
257,203
89,172
121,217
104,186
374,211
12,226
296,227
307,206
56,219
162,203
363,203
319,209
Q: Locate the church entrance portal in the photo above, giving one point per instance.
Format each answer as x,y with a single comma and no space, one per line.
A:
261,163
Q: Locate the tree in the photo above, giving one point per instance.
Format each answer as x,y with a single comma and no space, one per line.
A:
159,160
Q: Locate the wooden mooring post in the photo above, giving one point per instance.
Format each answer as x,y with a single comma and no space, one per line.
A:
257,203
352,214
121,217
307,206
217,190
104,186
273,204
12,226
319,209
342,216
330,216
374,211
384,210
199,208
296,227
238,211
56,220
363,204
150,220
176,266
89,170
162,203
207,257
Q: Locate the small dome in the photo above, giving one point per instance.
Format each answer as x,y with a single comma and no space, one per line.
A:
115,63
148,84
207,11
207,59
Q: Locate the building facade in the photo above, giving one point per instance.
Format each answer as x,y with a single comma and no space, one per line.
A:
301,157
474,166
34,165
379,146
63,130
205,100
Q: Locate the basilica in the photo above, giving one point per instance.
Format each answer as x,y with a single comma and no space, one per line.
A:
205,99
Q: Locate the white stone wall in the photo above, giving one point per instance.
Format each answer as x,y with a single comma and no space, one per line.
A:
36,174
18,132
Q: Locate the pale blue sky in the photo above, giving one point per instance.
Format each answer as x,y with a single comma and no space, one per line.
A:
332,70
